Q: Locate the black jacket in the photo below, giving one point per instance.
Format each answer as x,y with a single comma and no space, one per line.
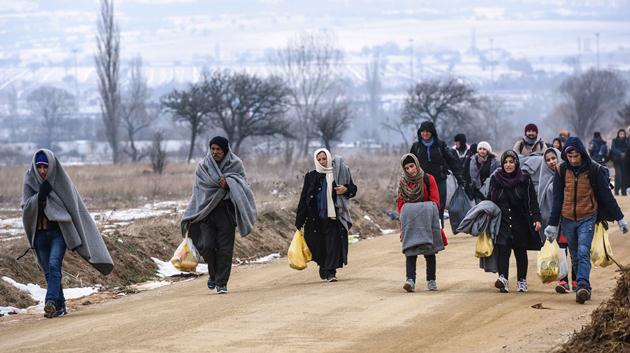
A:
438,161
519,210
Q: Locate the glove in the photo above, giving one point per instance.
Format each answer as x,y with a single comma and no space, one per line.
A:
44,189
551,232
623,226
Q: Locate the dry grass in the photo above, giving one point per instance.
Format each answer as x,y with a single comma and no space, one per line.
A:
275,185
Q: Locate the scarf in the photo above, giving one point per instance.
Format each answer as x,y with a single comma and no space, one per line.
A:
427,144
507,180
328,170
531,141
415,192
482,160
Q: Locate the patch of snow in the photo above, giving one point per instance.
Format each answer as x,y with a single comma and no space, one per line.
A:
388,231
265,259
166,269
150,285
6,310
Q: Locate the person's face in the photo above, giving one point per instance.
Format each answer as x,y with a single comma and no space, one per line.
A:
42,170
426,135
575,158
411,169
482,152
217,152
551,159
509,165
556,144
322,159
458,144
531,134
622,134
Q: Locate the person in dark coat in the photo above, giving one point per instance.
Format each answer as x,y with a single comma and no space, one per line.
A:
618,149
461,148
436,159
513,192
581,198
325,227
598,149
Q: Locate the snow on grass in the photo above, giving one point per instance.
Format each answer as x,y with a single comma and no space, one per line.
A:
265,259
150,285
166,269
388,231
39,294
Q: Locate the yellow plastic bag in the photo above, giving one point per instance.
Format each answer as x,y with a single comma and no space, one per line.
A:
600,246
299,254
186,256
484,245
549,262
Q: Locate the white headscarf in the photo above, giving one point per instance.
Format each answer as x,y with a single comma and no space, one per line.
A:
328,170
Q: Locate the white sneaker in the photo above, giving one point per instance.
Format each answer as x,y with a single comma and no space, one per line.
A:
521,286
410,285
502,284
432,285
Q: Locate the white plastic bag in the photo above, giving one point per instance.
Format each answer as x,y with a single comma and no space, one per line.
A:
186,256
563,271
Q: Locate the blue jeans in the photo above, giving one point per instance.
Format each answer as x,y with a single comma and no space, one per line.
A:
50,248
580,235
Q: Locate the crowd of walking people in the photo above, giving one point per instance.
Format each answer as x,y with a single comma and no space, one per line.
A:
531,193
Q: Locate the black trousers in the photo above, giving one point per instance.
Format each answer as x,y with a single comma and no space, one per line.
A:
431,266
334,247
505,251
217,236
443,193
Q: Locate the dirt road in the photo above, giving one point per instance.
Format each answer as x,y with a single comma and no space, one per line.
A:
272,308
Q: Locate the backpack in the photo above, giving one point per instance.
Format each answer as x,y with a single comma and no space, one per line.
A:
522,145
594,169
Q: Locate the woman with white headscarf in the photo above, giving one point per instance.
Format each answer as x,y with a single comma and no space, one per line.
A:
324,212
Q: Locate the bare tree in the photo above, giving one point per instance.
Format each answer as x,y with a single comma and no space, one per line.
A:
309,66
623,116
442,102
591,97
244,105
190,107
332,122
136,115
52,104
158,153
107,68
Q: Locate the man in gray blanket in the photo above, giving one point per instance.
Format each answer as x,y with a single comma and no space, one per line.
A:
221,199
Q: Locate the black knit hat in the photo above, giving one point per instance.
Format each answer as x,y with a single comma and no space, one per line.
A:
221,142
460,138
531,127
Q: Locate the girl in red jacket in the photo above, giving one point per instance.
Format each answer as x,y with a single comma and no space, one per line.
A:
417,186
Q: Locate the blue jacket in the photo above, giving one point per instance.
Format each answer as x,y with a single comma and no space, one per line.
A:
606,203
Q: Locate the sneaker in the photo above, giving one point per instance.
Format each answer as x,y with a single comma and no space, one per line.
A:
562,287
582,295
410,285
574,285
211,283
331,278
49,310
521,286
502,284
61,311
431,285
222,290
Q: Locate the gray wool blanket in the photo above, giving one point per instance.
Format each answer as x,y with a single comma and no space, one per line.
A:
421,231
342,176
64,206
484,216
545,190
207,193
531,164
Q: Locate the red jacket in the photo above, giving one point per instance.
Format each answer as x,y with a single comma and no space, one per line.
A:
432,195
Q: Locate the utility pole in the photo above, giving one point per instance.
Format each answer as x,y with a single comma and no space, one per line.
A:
492,59
76,74
597,48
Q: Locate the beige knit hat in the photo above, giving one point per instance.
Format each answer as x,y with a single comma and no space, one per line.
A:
484,144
